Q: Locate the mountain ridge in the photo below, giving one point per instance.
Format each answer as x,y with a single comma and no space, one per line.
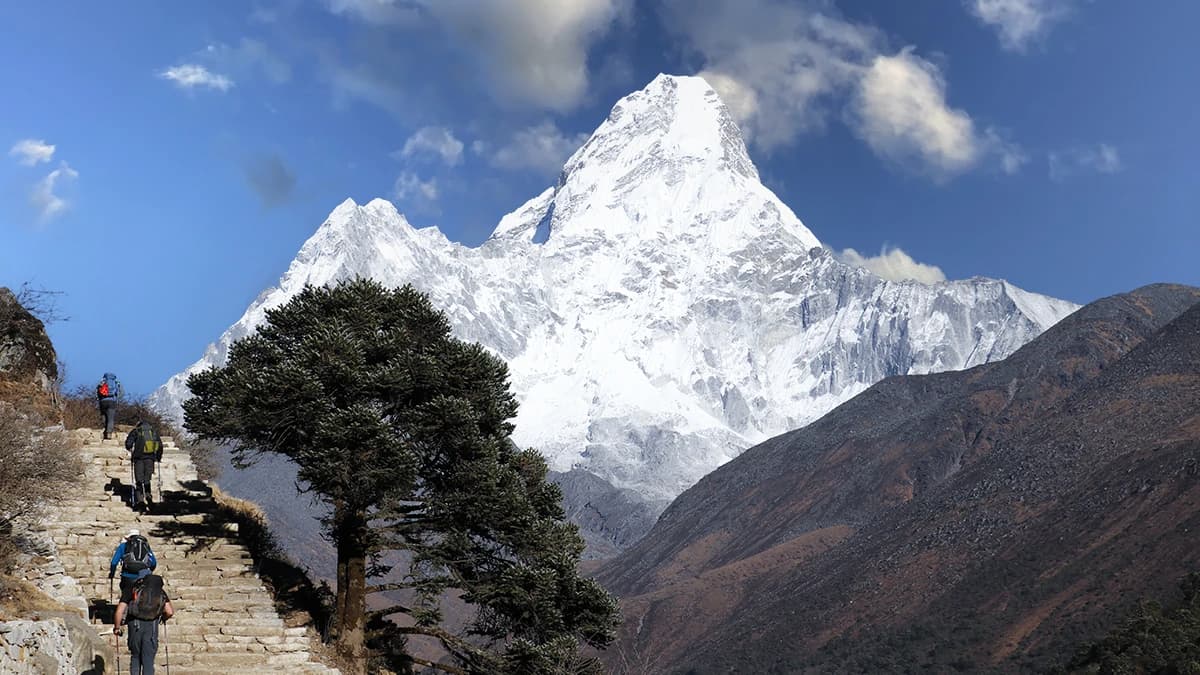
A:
1018,500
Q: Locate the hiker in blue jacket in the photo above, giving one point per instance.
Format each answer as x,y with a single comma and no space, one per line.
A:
133,554
106,396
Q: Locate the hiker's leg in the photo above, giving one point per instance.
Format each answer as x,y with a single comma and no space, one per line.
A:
149,646
109,408
141,480
135,650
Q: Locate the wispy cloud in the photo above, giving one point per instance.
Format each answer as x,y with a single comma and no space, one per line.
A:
435,141
542,148
32,152
191,76
415,194
44,200
1019,22
894,264
247,58
1100,158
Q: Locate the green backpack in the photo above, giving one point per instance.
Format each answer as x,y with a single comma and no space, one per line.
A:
149,443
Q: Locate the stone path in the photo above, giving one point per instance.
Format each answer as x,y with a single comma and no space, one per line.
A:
225,619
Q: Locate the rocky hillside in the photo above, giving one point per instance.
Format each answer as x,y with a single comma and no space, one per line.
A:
990,518
28,363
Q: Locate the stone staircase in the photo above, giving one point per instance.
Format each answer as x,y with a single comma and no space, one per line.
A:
225,620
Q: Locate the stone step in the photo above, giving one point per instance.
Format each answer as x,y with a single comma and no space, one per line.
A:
226,619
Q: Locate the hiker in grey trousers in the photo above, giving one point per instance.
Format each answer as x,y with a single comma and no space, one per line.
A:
107,393
143,635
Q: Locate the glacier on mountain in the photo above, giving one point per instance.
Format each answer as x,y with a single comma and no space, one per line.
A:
660,309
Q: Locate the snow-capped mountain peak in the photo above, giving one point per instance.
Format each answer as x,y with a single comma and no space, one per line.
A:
659,308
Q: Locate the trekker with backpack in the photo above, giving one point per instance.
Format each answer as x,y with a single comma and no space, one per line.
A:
107,392
143,607
133,554
145,449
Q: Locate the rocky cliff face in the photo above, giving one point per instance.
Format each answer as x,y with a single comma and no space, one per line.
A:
986,519
28,363
660,309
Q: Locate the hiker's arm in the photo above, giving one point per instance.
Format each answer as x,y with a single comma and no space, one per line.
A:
118,616
129,440
116,559
153,561
168,610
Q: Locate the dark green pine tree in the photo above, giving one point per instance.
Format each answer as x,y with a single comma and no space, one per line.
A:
403,431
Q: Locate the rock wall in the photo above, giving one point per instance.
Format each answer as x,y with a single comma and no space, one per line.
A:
35,648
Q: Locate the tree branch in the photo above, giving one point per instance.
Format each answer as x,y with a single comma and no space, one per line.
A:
381,613
440,666
397,586
452,642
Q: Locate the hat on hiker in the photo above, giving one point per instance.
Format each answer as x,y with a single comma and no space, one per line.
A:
132,533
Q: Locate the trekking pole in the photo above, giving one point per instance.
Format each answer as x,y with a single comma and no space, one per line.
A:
166,647
117,648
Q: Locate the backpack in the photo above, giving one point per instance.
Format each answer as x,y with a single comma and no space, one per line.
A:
109,387
148,599
148,444
137,555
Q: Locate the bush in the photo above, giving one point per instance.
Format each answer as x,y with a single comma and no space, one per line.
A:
37,464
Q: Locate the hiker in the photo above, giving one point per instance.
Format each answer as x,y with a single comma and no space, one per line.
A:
146,604
145,449
106,394
133,554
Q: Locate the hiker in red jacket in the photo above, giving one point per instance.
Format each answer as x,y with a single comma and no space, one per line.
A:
107,392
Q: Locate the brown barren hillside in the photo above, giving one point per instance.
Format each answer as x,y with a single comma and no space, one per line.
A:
989,519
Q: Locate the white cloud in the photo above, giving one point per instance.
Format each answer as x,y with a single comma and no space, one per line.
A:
778,66
542,148
1019,22
894,265
191,75
438,141
1100,158
43,198
534,52
782,67
900,111
410,188
32,152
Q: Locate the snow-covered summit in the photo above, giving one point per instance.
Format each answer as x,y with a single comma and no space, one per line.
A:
659,308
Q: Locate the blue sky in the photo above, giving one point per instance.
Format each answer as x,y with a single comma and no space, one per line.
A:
163,162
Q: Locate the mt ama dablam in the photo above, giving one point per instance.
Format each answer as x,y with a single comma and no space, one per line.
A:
660,309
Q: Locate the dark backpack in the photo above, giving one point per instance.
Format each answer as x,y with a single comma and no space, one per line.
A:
137,555
148,444
149,599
